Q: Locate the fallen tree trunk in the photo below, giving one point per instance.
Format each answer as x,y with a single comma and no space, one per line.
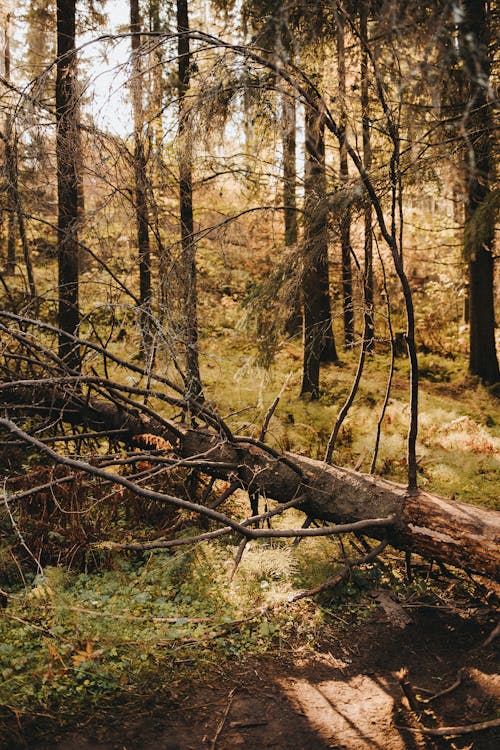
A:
462,535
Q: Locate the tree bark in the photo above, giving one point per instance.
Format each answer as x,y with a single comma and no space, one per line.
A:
369,337
9,162
478,130
16,205
67,182
188,264
289,131
319,343
456,533
12,177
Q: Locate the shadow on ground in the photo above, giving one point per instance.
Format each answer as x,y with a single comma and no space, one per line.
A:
344,695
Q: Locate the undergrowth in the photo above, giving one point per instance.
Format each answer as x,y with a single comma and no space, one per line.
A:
71,639
153,623
458,447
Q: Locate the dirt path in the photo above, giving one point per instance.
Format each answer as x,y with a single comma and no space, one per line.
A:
344,695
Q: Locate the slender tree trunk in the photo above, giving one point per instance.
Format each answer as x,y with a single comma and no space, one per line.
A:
289,169
84,258
188,265
12,176
9,162
16,209
10,197
67,181
345,219
140,176
319,343
479,240
21,223
155,109
155,117
369,338
289,131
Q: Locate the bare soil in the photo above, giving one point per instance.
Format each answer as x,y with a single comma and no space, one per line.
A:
344,694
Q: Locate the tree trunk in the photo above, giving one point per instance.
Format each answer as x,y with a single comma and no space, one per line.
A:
456,533
477,129
188,264
345,219
16,206
10,170
156,86
140,175
462,535
288,130
9,162
12,177
289,126
67,182
369,327
319,343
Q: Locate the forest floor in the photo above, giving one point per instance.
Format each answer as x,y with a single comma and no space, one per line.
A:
343,693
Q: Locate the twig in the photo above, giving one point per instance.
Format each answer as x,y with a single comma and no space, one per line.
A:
39,488
248,724
19,534
305,525
225,495
272,409
391,368
220,726
408,692
494,633
209,534
416,703
456,731
460,676
347,404
238,557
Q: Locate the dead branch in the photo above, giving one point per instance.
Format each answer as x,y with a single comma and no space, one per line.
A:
456,731
220,725
461,730
494,634
459,679
244,530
